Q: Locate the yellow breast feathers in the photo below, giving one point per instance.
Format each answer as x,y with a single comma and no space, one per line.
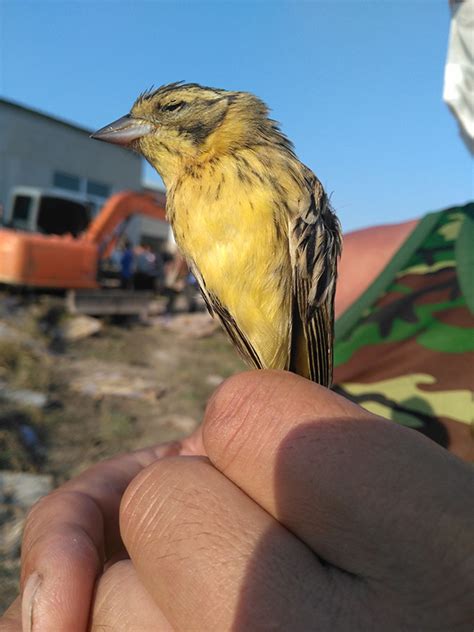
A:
230,228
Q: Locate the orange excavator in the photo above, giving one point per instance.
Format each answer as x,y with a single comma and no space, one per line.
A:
70,261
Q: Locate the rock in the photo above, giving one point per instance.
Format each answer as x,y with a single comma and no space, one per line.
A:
23,489
166,358
196,325
116,384
10,535
18,492
23,396
97,378
7,332
214,380
181,423
80,327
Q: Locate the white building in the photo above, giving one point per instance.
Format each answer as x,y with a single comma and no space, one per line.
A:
38,150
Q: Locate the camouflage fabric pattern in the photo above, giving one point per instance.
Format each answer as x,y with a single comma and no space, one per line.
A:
409,356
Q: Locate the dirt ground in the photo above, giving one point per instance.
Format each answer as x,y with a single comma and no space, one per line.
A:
65,405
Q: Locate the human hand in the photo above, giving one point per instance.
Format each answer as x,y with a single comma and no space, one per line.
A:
72,535
310,513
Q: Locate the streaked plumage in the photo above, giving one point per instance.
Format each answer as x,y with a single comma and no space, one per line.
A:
253,222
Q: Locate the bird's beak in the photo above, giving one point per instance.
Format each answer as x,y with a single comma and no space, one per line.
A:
123,131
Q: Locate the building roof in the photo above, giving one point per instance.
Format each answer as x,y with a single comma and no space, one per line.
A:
48,117
18,106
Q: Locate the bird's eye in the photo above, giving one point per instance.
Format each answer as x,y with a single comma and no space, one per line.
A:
171,107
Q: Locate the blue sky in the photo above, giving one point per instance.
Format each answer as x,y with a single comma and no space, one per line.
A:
356,84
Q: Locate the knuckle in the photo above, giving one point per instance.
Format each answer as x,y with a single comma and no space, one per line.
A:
149,504
49,546
33,519
59,512
139,499
234,396
37,508
58,545
138,489
235,408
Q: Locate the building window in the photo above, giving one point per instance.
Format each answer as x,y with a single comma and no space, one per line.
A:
66,181
58,216
98,188
95,192
21,212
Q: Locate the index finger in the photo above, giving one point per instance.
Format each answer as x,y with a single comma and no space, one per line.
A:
68,536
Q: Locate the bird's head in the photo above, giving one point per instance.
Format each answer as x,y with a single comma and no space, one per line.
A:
181,123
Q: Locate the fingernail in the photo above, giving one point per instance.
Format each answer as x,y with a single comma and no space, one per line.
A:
30,594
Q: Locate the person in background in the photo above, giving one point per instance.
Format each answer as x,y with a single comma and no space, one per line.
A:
405,325
459,70
159,273
404,304
176,272
126,266
191,291
145,268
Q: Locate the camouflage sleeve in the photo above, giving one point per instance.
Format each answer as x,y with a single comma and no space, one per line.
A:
405,349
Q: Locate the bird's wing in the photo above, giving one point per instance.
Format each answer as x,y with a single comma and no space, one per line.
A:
236,335
315,245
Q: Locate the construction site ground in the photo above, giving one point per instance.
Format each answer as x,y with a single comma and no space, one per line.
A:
75,390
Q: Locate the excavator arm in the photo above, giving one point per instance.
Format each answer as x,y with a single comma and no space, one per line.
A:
53,261
104,230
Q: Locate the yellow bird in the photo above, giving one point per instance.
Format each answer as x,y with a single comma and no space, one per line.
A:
253,222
